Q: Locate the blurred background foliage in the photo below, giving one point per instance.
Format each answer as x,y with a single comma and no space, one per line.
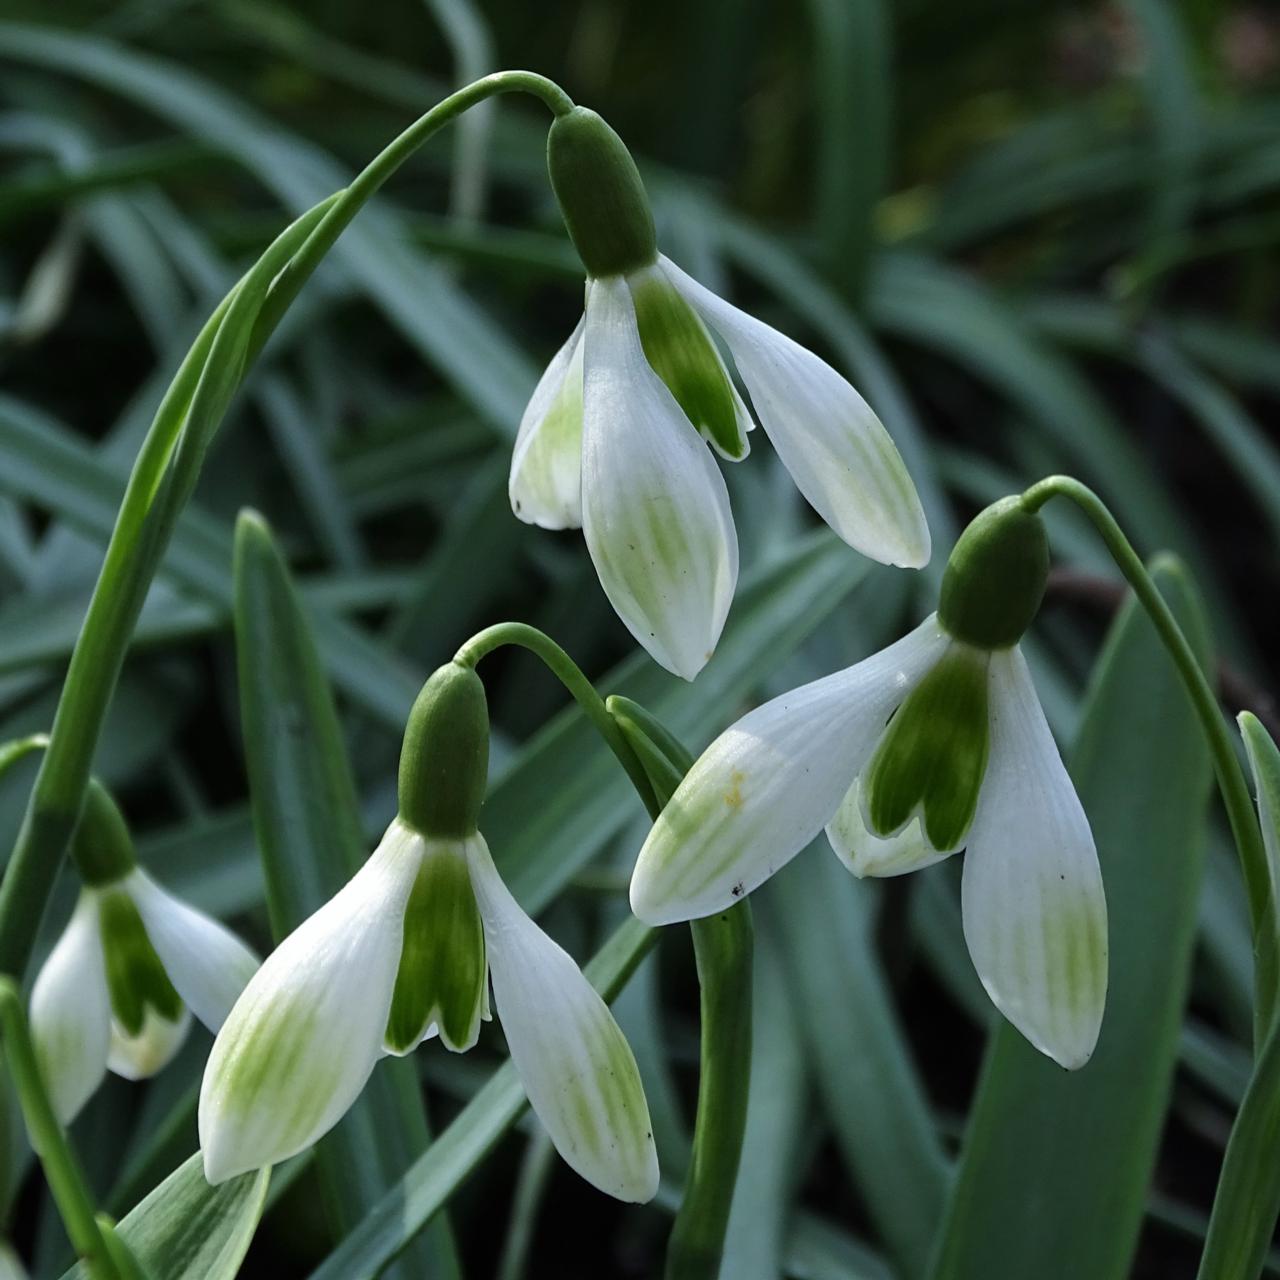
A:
1037,236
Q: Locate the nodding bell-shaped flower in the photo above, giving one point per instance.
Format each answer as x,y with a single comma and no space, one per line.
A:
613,438
406,952
133,964
936,743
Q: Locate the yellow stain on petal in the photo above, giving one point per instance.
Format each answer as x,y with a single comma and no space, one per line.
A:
733,797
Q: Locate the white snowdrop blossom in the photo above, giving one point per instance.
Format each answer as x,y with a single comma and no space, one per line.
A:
119,987
405,952
402,954
614,437
934,744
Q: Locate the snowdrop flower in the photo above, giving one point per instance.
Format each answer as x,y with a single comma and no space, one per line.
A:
406,952
936,743
133,964
613,438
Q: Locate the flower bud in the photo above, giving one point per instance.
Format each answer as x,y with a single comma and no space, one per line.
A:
601,197
101,845
996,576
444,762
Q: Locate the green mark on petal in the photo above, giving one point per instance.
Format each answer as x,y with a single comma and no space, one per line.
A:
681,353
442,970
135,976
934,753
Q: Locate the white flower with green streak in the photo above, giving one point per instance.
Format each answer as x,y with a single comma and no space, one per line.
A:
930,746
612,440
118,989
403,953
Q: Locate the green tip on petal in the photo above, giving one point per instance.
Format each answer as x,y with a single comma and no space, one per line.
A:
932,757
681,353
136,980
443,970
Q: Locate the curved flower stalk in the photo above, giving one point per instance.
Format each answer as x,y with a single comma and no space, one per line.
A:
936,743
610,441
405,953
134,962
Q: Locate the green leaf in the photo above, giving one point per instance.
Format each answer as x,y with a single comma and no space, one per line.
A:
309,832
187,1230
1055,1170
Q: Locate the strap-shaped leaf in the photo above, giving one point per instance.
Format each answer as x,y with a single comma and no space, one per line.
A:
309,832
187,1230
1055,1170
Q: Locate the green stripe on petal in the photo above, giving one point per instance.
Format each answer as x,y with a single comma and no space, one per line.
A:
572,1058
136,979
933,755
679,349
443,971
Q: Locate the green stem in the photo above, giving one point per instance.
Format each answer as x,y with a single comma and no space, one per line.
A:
1230,775
65,1178
724,948
162,479
353,199
570,675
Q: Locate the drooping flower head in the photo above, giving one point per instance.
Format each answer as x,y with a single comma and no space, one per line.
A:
119,987
614,438
406,952
936,743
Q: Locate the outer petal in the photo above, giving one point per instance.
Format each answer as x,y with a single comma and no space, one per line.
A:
71,1013
545,485
869,855
152,1049
1035,916
655,510
572,1058
838,452
767,785
207,964
300,1042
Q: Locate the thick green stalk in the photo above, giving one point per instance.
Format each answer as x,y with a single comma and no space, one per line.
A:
568,673
724,947
1231,780
161,482
66,1181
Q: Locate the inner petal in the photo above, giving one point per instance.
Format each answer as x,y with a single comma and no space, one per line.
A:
136,980
933,755
681,352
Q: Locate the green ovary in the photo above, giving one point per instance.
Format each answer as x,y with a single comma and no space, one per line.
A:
443,968
135,976
681,353
933,756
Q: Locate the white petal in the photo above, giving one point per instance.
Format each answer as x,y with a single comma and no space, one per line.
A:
869,855
11,1267
572,1058
545,485
1035,916
152,1049
655,510
300,1042
767,785
71,1013
207,964
837,450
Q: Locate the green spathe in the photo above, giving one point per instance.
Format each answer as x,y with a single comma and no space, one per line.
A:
444,762
443,971
101,847
680,350
933,756
995,577
601,196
